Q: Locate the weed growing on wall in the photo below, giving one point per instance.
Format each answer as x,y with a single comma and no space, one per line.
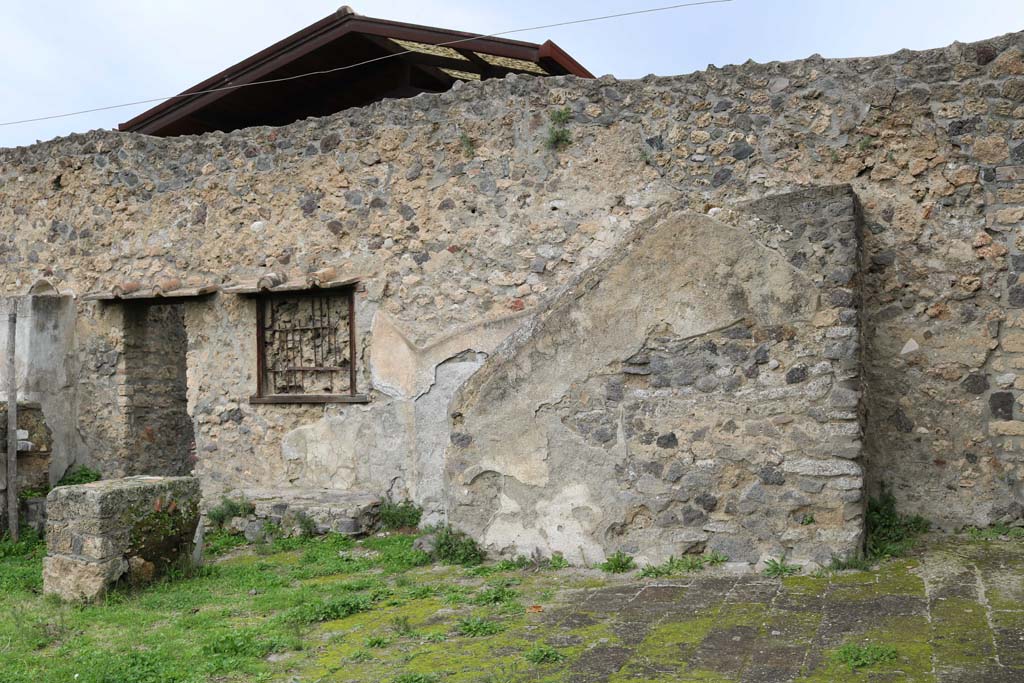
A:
619,563
467,145
778,568
455,547
558,134
403,515
227,510
890,534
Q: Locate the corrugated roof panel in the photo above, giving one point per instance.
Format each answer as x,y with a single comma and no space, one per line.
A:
438,50
462,75
509,63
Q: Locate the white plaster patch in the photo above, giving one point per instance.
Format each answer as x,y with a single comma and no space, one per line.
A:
564,523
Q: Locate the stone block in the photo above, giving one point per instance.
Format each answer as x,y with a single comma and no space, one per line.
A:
96,532
1013,341
348,512
1006,428
75,578
822,468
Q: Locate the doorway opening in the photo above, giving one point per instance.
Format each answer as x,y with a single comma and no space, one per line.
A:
160,437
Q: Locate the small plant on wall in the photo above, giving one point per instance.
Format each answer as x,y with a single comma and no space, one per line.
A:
558,134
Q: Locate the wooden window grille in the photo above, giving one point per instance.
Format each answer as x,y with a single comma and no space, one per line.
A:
306,345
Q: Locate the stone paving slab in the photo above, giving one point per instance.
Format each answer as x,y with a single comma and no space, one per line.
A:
953,613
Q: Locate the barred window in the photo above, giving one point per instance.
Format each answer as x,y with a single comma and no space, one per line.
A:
305,343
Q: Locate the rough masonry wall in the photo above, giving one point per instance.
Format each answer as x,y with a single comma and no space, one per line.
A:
675,399
160,439
455,246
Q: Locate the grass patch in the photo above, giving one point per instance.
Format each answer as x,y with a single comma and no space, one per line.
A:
307,525
378,641
220,541
79,475
557,561
861,656
995,532
416,678
33,492
619,563
329,609
496,595
476,627
851,562
543,654
404,515
674,566
401,626
683,565
21,563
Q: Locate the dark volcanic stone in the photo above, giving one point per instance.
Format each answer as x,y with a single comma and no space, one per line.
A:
741,150
721,177
1016,296
707,501
771,476
796,374
1001,405
975,383
667,440
902,422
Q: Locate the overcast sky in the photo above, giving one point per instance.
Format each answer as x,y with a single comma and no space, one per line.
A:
61,55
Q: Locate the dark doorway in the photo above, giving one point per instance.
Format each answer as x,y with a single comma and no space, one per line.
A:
160,436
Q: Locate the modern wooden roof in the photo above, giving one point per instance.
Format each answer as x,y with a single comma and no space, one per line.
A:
342,39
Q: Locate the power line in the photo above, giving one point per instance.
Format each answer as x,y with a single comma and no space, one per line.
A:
358,64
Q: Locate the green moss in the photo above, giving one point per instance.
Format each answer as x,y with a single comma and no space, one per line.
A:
899,579
741,614
804,585
666,642
960,633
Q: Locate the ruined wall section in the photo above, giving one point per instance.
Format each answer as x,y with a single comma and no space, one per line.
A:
451,237
676,399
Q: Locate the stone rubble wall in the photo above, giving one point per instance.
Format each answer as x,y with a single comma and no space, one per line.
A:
678,398
459,250
135,528
35,446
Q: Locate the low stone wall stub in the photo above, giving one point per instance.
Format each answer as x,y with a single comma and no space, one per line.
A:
133,528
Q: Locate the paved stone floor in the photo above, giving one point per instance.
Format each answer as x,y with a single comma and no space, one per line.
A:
954,613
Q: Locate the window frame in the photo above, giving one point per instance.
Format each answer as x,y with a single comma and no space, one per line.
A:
261,396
